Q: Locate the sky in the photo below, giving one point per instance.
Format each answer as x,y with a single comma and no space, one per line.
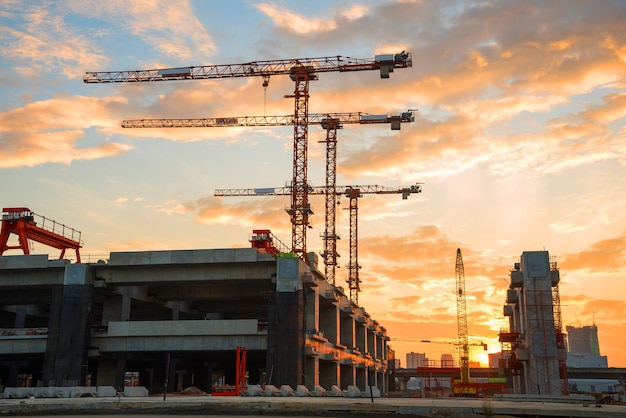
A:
519,141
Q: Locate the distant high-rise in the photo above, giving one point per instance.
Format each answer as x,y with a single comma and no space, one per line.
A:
415,360
583,340
584,347
447,360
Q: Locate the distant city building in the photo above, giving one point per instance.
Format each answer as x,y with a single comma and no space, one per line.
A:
415,360
495,358
396,363
584,347
447,360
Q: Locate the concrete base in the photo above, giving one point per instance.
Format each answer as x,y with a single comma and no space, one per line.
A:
64,392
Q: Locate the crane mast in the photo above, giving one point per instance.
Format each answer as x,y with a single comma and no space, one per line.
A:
329,121
353,193
461,309
301,71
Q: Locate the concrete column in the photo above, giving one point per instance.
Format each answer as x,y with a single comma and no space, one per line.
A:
329,374
370,346
286,328
107,372
69,330
20,316
360,333
329,320
347,331
361,377
115,308
347,376
312,309
312,372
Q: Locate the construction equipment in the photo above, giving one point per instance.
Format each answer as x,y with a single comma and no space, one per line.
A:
27,225
241,384
264,241
301,71
329,121
353,193
461,317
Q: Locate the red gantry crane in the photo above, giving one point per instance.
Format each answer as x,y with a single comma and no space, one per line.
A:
27,225
329,121
353,193
301,71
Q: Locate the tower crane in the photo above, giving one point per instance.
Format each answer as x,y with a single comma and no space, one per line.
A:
461,312
353,193
329,121
301,71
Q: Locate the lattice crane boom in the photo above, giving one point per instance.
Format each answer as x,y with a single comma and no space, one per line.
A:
353,193
461,309
319,190
323,119
301,71
385,63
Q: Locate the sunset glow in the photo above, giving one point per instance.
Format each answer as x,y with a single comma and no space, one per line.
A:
519,141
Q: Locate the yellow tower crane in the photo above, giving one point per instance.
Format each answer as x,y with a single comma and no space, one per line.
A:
461,314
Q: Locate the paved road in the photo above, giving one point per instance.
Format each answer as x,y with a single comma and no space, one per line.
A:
179,406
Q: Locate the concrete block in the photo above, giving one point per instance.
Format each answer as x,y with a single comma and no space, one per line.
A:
135,391
255,391
51,392
75,274
24,261
83,392
301,390
318,391
335,391
375,391
19,393
286,390
271,390
105,391
353,392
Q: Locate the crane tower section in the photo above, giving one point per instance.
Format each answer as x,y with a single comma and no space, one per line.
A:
461,309
301,71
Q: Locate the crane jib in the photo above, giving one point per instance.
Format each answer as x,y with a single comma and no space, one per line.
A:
385,63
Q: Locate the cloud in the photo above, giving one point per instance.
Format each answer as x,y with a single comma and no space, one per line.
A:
606,255
49,131
45,42
301,25
171,29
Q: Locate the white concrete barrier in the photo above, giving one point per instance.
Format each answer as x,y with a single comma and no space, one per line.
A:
302,390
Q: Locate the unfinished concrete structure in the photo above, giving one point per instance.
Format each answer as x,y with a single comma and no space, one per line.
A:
67,324
535,340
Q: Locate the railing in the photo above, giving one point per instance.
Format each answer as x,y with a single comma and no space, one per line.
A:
57,228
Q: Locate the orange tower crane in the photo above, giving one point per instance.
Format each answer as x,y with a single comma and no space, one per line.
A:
353,193
329,121
27,225
301,71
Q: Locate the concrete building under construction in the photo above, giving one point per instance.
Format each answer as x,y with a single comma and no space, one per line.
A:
174,319
535,340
